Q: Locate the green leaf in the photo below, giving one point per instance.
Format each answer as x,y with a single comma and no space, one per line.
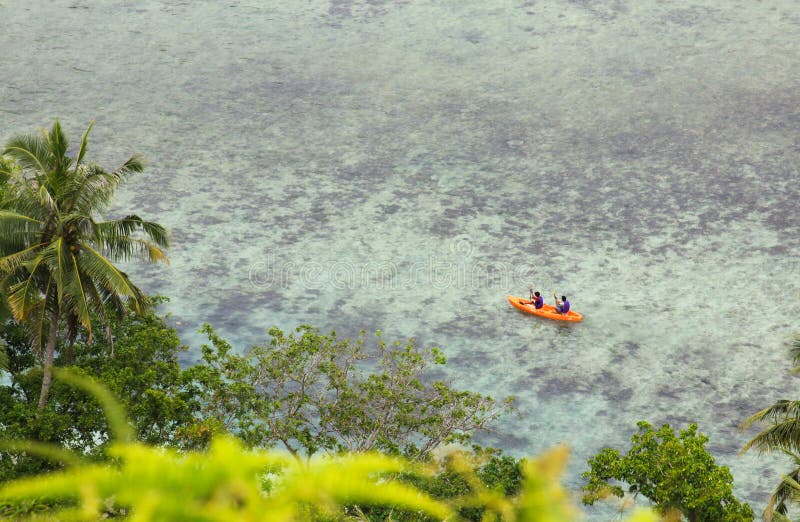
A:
82,148
118,423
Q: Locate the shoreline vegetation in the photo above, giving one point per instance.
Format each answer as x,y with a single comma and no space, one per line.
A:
98,419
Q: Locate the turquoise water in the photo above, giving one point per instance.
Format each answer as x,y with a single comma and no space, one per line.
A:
403,165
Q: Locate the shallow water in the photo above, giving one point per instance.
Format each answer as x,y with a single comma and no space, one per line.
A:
403,165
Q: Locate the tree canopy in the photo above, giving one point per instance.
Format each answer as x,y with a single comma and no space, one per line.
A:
56,251
673,470
144,372
311,392
230,482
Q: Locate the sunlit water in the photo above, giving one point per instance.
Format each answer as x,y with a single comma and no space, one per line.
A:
403,165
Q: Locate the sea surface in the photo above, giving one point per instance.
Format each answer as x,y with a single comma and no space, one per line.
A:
403,165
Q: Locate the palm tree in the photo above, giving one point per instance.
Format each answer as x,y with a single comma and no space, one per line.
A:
782,433
5,313
788,490
56,254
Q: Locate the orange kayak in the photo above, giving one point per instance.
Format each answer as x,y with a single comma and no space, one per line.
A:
547,311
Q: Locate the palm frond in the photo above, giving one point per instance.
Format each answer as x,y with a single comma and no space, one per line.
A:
46,199
37,326
794,351
780,435
130,248
135,163
109,278
98,303
26,294
57,141
91,190
129,225
31,152
57,257
71,325
24,198
93,296
113,301
14,224
788,490
82,148
779,411
7,169
78,301
12,262
157,233
6,281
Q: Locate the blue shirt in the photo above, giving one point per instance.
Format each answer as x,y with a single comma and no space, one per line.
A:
565,307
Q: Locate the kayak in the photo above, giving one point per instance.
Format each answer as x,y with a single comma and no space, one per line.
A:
547,311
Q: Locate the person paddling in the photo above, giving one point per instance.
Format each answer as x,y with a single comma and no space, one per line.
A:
536,299
563,305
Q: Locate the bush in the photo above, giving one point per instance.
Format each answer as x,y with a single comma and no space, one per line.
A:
229,482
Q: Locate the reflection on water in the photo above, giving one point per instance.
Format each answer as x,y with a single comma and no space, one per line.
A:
403,165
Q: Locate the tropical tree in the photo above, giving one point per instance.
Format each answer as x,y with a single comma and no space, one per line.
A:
5,313
785,493
673,470
312,393
144,372
780,433
56,254
235,483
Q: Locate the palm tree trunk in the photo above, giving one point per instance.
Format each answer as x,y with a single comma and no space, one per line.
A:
110,339
70,344
47,377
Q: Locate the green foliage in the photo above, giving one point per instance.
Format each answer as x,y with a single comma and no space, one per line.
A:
312,393
251,396
782,419
460,478
381,395
3,357
780,432
221,484
7,169
673,470
229,482
56,254
787,492
143,370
